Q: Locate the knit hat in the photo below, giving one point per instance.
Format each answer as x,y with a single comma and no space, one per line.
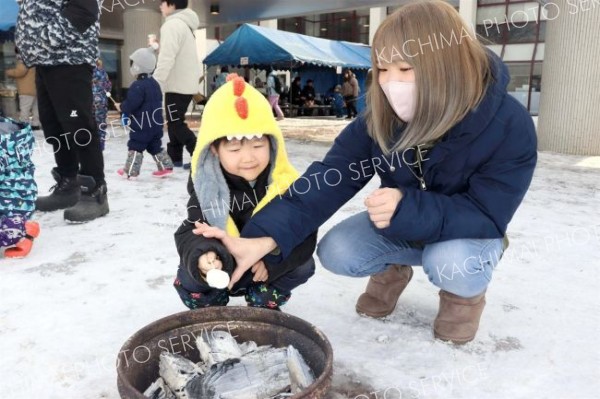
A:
144,61
236,110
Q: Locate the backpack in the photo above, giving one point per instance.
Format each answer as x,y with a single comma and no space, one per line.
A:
278,89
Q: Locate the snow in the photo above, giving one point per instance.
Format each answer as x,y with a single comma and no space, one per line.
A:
66,310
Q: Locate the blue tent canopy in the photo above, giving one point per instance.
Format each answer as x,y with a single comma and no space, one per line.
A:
8,14
8,19
270,47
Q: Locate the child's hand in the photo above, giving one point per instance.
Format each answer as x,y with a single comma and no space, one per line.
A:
382,204
209,261
118,107
246,251
260,271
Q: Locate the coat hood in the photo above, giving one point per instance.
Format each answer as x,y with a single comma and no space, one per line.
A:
186,15
236,109
480,117
144,61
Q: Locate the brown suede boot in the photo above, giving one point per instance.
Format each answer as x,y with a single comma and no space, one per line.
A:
458,318
383,291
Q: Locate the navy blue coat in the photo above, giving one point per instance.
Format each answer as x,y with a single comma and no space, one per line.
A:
476,177
144,108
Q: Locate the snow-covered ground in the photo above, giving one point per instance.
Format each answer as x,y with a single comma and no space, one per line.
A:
66,310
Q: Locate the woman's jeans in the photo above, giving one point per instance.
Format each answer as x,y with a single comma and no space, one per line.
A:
462,267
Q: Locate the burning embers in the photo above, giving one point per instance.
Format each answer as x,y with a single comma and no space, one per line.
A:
229,370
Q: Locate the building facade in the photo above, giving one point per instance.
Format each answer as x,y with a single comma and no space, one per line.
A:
556,36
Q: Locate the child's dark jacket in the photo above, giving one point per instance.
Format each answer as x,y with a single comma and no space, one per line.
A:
144,107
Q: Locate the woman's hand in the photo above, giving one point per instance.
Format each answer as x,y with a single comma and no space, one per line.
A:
260,271
382,204
209,261
246,251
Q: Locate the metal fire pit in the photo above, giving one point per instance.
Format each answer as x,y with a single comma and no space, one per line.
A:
137,364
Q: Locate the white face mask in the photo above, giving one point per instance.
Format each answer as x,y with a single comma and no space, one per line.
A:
402,97
134,70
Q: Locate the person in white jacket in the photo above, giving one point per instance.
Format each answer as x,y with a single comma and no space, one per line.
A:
178,73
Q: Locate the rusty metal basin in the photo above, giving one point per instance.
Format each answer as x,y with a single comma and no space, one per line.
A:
137,362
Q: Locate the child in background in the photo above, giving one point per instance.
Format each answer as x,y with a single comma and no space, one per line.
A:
100,86
144,109
239,165
338,102
18,190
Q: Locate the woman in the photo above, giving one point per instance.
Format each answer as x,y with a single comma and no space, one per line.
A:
350,90
273,84
455,154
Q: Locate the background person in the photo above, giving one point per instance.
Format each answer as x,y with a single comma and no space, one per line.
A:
25,78
273,93
60,38
144,98
456,155
178,73
221,78
308,93
338,102
18,189
350,91
296,94
100,86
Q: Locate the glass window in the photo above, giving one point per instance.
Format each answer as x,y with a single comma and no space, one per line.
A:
492,33
8,86
7,61
110,54
220,32
522,32
352,26
542,37
390,10
490,1
520,13
519,76
526,85
518,52
536,77
539,52
491,15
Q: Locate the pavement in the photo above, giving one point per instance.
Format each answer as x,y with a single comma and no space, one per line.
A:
321,129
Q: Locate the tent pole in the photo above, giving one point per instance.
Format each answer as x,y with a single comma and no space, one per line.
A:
205,81
290,89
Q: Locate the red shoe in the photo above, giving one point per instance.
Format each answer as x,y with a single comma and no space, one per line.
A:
162,173
23,247
124,175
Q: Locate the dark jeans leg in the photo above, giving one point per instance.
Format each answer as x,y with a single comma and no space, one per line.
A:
65,106
180,134
351,106
296,277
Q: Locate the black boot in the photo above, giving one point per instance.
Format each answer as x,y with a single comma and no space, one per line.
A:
93,203
65,194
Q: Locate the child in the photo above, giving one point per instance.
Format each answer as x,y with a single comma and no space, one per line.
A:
338,102
144,108
238,166
18,190
100,86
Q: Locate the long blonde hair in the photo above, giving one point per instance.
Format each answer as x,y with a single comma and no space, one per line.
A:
452,72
